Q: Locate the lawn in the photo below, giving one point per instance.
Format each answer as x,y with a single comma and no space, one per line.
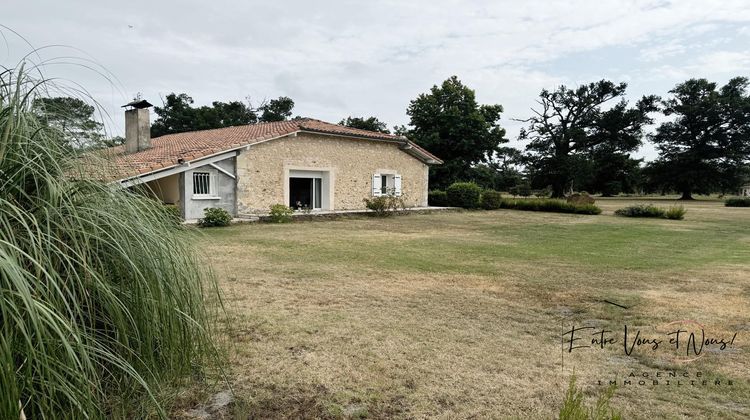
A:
462,314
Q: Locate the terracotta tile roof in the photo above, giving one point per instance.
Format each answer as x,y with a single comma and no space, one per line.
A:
194,145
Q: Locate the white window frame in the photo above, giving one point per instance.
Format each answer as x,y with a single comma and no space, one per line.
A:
393,185
327,187
212,184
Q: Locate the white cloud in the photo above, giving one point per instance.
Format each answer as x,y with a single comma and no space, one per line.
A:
371,58
660,51
724,62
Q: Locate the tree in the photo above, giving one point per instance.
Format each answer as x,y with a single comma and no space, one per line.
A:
500,173
277,109
113,141
227,114
705,147
450,123
72,118
572,123
608,171
178,115
371,123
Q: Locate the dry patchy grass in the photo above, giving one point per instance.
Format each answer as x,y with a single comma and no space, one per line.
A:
459,315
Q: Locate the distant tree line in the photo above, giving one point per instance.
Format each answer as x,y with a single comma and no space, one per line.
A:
582,139
577,139
177,114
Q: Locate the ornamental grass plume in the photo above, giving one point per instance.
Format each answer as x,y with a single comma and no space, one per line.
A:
102,299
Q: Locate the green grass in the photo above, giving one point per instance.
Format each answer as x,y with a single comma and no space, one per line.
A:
458,314
579,241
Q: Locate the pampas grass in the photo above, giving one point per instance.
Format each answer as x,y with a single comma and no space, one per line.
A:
102,298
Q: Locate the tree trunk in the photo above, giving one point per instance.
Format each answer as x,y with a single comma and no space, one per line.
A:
687,195
558,189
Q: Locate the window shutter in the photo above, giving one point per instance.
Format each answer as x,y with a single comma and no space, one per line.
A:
397,185
213,187
376,185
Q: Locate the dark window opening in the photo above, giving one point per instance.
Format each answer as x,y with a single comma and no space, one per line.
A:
305,193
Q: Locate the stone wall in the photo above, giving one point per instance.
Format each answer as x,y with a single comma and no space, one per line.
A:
352,162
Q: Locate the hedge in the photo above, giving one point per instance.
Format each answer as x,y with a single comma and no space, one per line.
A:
464,194
737,202
549,205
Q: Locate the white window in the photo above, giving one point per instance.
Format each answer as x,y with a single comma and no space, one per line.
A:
386,184
204,184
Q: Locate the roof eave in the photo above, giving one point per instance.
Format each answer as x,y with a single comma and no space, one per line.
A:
421,154
198,160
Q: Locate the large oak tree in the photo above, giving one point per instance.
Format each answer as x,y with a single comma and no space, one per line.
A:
450,123
570,124
706,146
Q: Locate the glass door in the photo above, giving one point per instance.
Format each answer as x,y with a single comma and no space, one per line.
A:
305,193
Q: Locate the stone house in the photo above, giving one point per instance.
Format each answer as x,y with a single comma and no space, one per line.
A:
303,163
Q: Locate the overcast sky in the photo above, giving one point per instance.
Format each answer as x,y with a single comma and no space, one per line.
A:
340,58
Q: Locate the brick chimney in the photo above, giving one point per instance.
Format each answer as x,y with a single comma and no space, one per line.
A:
137,126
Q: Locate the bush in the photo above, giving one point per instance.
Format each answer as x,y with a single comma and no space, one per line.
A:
464,194
214,216
385,205
574,408
580,198
281,213
737,202
491,200
523,189
549,205
641,210
437,198
675,213
543,193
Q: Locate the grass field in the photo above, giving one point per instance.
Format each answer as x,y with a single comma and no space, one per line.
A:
461,315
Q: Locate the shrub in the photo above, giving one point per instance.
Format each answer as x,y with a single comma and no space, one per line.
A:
737,202
464,194
648,210
103,300
437,198
574,408
675,213
281,213
549,205
580,198
385,205
491,200
214,216
641,210
543,193
523,189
